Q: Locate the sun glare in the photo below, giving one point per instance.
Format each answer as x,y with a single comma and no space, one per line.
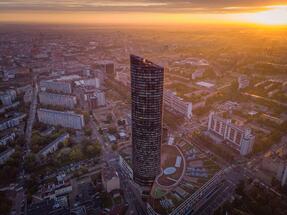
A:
276,16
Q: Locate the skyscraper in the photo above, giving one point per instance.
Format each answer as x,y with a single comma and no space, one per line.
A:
147,100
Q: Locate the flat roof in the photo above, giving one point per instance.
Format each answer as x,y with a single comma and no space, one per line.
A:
205,84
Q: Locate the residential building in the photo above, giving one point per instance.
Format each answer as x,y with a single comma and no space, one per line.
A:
239,138
47,207
205,84
275,167
107,68
124,78
110,179
95,82
54,99
57,86
7,139
147,101
64,119
101,98
4,156
243,82
177,104
198,73
12,121
8,97
53,146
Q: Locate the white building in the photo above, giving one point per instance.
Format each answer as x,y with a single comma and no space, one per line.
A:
177,104
8,97
239,138
95,82
110,179
124,78
4,156
198,73
205,84
57,86
64,119
12,122
53,146
101,98
243,82
7,139
67,101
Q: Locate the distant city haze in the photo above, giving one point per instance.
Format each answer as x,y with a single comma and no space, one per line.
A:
145,12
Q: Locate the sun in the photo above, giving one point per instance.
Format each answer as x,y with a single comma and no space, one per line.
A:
276,15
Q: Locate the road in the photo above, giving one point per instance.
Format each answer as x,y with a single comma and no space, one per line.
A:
32,114
197,142
131,194
133,197
217,198
266,99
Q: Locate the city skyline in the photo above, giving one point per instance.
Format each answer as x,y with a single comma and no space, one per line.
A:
144,12
144,107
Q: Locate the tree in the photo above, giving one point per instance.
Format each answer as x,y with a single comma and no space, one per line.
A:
86,117
30,162
88,131
76,154
101,131
5,204
109,118
112,130
114,147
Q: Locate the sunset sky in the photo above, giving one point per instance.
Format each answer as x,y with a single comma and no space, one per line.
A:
263,12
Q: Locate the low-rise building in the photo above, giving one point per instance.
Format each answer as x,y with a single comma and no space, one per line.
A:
243,82
198,73
205,84
110,179
54,99
95,82
53,146
275,167
101,98
12,121
8,97
7,139
124,78
239,138
4,156
177,104
64,119
57,86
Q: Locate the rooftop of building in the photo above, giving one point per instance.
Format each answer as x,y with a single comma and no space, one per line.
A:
8,150
108,173
145,61
65,135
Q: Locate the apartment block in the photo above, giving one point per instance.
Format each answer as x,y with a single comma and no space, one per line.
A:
64,119
4,156
239,138
57,86
177,104
12,121
53,146
66,101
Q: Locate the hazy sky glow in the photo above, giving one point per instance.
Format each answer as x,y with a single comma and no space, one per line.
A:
267,12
